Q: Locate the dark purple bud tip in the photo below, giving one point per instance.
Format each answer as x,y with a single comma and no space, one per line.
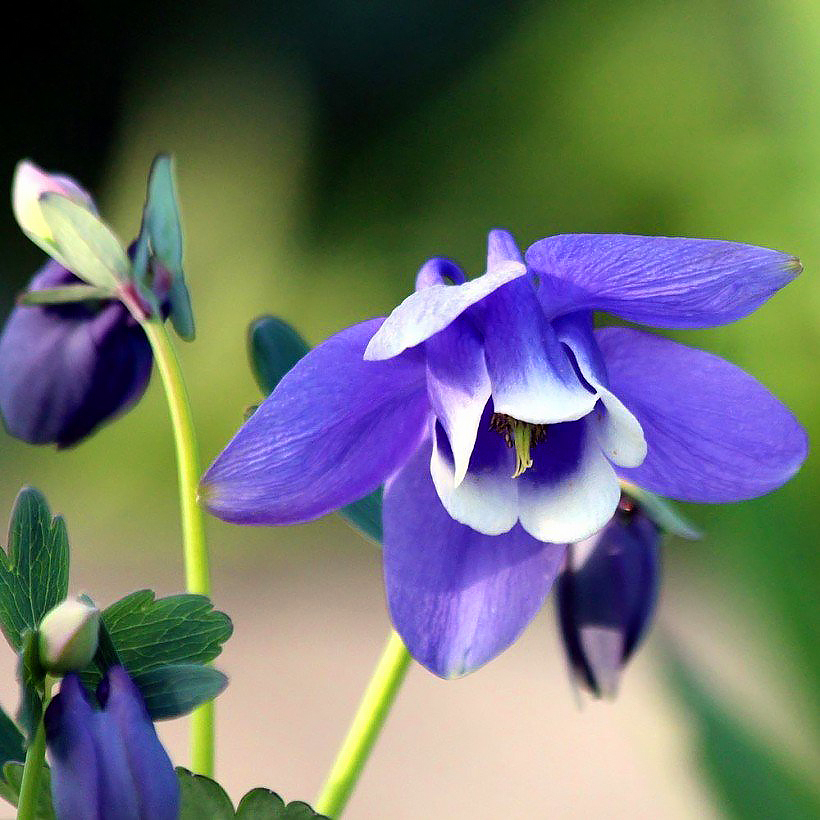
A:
107,763
67,369
606,597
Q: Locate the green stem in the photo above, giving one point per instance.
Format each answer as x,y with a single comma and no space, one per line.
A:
197,569
368,722
33,766
30,785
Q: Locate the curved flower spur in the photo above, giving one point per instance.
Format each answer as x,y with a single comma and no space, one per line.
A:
502,422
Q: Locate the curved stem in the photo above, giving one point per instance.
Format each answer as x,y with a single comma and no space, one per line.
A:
368,722
197,565
30,785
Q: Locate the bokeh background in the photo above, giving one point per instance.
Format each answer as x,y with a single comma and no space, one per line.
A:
324,151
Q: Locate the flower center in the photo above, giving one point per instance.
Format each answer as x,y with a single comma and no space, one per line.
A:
521,435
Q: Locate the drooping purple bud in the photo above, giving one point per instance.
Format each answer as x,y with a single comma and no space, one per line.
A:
606,597
107,763
65,369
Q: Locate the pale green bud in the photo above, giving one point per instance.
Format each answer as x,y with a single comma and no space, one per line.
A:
68,636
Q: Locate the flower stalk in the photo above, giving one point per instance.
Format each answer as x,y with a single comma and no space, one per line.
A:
197,564
367,724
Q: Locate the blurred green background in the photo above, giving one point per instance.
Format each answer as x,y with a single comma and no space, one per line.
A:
324,151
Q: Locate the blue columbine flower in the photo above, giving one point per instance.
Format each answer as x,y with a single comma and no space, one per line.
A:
502,422
606,596
67,368
109,762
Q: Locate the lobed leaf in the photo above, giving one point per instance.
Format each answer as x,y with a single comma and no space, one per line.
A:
11,740
34,569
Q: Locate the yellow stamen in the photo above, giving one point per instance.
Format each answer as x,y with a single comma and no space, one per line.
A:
521,435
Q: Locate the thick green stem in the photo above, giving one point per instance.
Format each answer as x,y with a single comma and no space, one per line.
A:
368,722
30,785
197,565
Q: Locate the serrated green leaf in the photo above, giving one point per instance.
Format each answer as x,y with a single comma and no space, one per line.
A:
182,315
747,774
661,511
149,632
30,677
10,790
34,570
84,243
366,515
174,690
63,296
274,347
201,797
11,740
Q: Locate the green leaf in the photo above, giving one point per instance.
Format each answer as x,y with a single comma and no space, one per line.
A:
182,315
747,774
149,632
201,797
10,790
366,514
163,644
263,804
11,740
274,347
34,570
661,511
163,227
162,215
30,676
84,243
174,690
62,296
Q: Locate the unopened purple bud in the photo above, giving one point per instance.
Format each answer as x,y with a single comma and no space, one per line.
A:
66,369
109,762
606,597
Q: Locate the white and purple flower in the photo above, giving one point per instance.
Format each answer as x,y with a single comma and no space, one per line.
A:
501,422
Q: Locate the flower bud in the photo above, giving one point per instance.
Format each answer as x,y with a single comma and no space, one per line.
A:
66,369
68,636
107,763
606,597
30,183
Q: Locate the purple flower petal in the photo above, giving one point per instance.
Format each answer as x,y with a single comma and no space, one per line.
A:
157,784
432,308
713,432
66,369
571,490
456,597
617,430
657,281
72,753
437,271
501,248
458,386
332,431
486,499
531,374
